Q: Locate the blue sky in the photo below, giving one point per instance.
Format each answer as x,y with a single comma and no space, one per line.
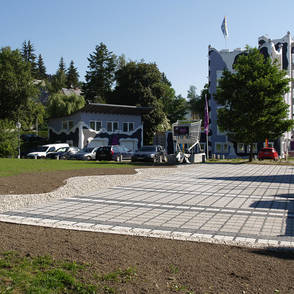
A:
174,34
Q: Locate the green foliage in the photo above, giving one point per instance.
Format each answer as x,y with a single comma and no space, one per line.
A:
16,85
32,113
8,138
41,69
72,76
62,105
197,103
100,74
252,96
29,56
139,83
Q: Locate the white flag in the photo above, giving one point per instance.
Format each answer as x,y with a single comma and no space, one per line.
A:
224,27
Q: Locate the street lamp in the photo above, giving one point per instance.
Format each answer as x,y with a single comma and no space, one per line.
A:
18,126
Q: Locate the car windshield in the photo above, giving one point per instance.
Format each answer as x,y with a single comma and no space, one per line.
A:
148,148
63,149
268,149
88,149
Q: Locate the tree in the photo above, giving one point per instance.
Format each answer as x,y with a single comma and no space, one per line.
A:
196,102
61,65
41,69
58,81
252,98
139,83
100,74
16,83
32,114
62,105
29,56
8,138
72,76
175,107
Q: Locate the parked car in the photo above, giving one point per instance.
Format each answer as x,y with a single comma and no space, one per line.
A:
268,153
63,153
113,152
87,153
153,153
43,150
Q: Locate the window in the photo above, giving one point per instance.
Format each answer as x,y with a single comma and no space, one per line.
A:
254,148
67,124
218,147
128,126
96,125
112,126
115,126
225,148
240,148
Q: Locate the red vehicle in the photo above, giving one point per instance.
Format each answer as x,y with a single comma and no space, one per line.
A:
268,153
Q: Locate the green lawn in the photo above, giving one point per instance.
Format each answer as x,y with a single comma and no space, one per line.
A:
14,166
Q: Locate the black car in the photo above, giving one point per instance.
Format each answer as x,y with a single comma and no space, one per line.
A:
113,152
153,153
63,153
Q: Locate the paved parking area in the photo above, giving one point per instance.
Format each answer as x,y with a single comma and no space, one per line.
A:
250,205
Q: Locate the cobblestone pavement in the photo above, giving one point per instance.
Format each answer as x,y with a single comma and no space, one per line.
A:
251,205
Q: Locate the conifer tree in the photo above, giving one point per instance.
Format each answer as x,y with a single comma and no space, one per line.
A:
100,74
41,69
28,54
72,76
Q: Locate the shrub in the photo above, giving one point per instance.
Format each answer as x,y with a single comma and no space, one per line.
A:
8,138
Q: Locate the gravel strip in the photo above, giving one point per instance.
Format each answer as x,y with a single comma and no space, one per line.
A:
81,186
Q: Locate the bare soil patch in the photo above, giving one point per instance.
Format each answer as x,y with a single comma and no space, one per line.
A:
162,266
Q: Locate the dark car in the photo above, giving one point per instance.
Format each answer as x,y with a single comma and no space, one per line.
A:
63,153
87,153
153,153
113,152
268,153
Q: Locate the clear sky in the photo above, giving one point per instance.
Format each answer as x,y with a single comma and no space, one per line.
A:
174,34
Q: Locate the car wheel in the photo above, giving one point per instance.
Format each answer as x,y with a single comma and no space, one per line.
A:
88,158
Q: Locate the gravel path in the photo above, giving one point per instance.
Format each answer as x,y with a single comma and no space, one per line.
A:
81,186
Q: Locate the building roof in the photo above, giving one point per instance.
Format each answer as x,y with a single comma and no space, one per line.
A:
114,108
71,91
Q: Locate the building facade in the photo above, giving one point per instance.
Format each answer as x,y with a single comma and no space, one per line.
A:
280,49
100,125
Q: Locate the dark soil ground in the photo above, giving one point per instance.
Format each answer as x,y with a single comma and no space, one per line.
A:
162,266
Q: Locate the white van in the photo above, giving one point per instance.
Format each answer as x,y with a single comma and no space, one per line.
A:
43,150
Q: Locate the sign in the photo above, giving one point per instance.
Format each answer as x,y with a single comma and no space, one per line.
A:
181,131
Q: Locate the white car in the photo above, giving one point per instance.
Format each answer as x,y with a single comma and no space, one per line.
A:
43,150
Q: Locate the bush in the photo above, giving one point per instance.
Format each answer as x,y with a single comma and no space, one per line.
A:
8,138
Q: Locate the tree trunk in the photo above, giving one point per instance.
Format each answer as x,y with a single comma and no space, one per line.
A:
251,152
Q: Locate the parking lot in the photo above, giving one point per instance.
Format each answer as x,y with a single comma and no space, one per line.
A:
251,205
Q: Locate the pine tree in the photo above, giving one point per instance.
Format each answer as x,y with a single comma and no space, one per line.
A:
100,76
72,76
61,66
58,81
41,69
29,56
